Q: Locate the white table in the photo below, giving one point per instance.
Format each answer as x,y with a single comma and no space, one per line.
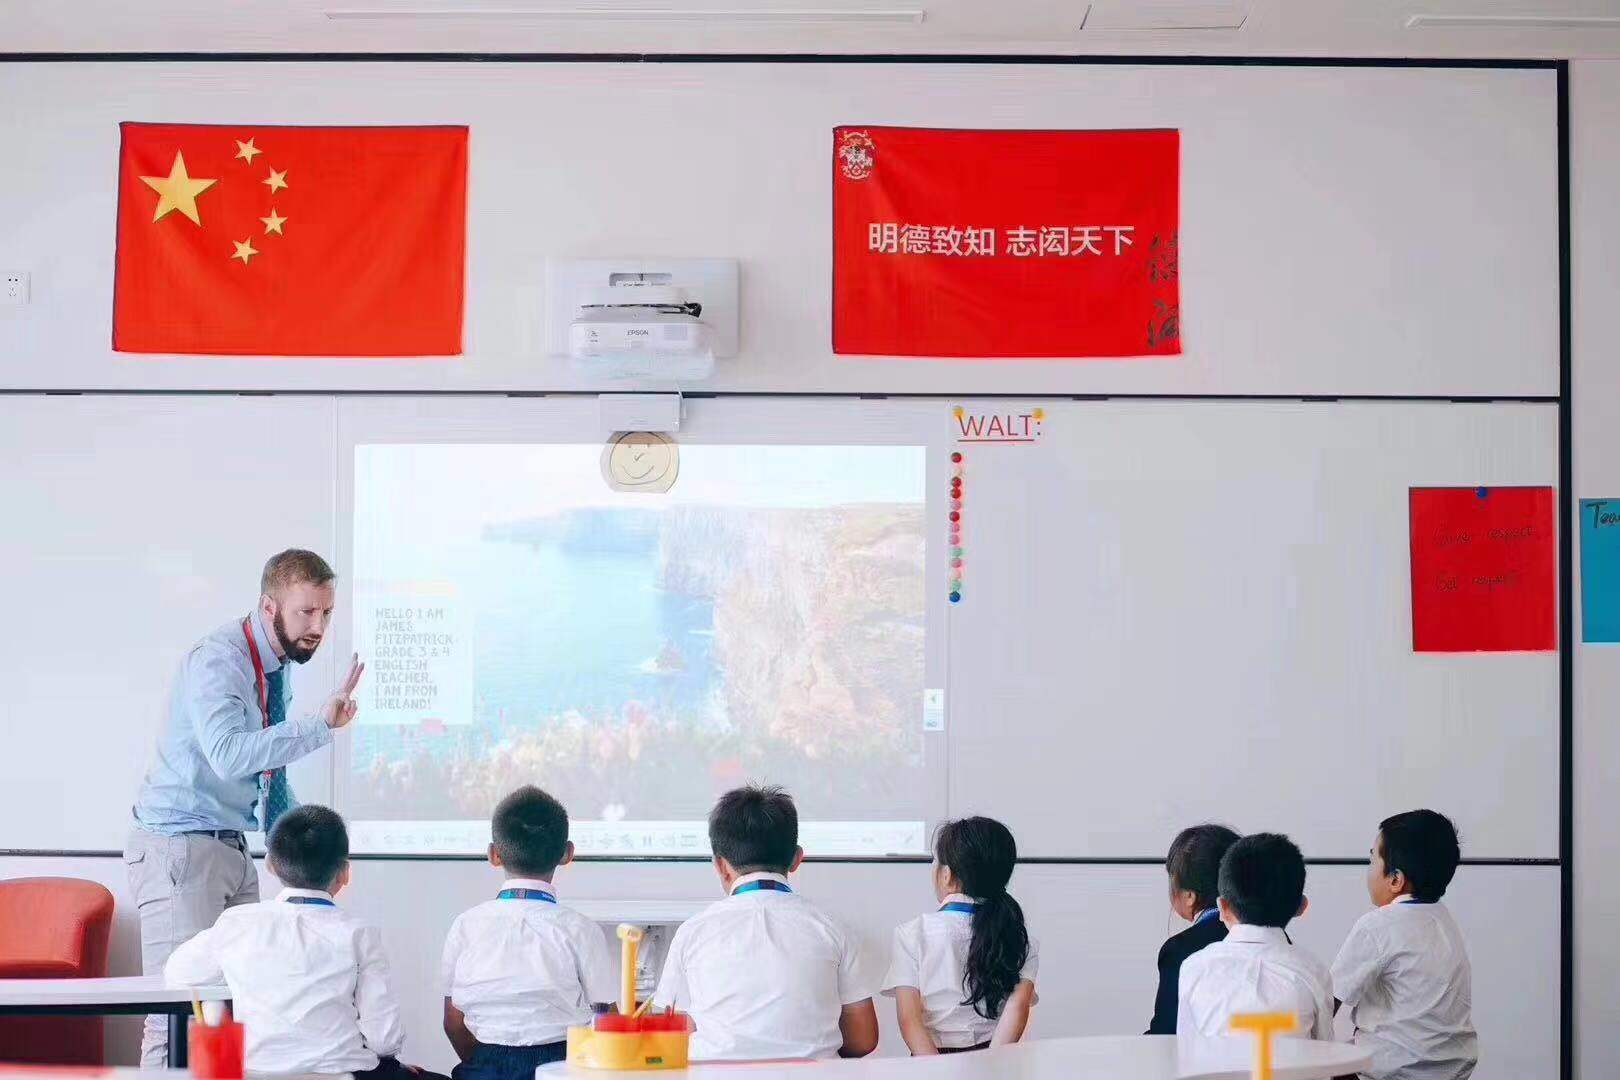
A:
1125,1057
131,995
667,912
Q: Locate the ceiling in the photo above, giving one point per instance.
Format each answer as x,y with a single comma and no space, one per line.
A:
1488,28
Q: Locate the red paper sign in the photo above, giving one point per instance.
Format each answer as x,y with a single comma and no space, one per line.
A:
1484,570
1005,243
290,241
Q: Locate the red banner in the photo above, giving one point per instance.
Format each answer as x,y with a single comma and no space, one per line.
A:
1005,243
290,241
1484,569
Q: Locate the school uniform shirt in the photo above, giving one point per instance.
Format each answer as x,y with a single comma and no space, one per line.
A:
1255,970
1207,929
930,956
523,968
764,973
1404,972
309,982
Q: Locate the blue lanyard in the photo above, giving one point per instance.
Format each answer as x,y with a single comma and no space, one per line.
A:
527,894
310,900
1415,900
958,906
1206,915
762,884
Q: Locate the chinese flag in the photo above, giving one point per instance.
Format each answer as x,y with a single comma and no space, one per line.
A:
290,241
1005,243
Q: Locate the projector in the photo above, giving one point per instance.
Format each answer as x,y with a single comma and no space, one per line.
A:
636,330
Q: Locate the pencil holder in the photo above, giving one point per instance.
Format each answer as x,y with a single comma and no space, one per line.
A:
216,1050
626,1039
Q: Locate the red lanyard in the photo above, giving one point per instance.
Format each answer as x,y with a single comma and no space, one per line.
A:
258,672
258,677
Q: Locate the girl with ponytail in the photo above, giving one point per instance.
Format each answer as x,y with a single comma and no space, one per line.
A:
963,976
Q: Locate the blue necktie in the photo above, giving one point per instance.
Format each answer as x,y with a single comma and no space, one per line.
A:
276,792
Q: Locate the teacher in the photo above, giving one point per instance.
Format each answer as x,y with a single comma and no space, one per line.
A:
222,753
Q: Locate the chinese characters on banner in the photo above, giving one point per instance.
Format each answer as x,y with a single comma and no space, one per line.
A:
1484,570
1005,243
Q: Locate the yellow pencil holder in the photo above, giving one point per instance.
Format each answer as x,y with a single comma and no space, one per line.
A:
627,1050
625,1039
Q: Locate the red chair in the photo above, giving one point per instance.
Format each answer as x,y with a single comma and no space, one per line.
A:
53,928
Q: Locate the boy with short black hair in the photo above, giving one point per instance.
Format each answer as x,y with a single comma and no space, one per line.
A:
1404,968
1194,866
309,981
1257,969
520,969
764,973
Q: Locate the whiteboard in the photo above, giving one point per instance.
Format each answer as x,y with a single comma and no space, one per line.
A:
1194,611
1171,611
135,525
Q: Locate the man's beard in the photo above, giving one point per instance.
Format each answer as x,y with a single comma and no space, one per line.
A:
293,651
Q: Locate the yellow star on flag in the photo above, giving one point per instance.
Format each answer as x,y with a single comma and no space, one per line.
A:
246,150
276,180
177,191
273,223
244,250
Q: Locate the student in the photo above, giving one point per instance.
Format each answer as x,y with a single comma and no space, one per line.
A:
308,980
1404,970
1257,969
963,977
520,969
1194,866
764,973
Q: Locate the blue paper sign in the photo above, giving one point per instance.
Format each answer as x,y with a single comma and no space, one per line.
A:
1600,570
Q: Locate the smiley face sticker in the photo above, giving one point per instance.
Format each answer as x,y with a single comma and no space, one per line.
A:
641,461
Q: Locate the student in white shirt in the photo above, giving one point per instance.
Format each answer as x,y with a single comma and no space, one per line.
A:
309,981
963,976
764,973
520,969
1256,969
1404,969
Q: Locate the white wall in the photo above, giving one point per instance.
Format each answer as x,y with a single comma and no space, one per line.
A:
1344,231
1595,214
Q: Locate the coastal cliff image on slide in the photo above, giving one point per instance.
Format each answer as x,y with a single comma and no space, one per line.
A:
637,654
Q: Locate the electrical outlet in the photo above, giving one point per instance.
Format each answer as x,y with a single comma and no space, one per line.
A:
13,287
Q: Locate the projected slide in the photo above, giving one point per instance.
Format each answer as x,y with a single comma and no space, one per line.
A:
636,654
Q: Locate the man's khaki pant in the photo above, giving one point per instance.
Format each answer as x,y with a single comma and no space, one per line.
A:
181,884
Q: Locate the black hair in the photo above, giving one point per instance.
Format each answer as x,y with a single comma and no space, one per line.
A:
308,848
1194,861
1263,879
530,832
755,828
981,853
1421,844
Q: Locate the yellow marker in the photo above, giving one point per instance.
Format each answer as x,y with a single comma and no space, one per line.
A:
1266,1027
1039,414
630,936
196,1008
957,412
